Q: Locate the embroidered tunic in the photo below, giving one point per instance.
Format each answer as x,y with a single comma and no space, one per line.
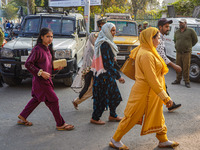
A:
105,89
40,58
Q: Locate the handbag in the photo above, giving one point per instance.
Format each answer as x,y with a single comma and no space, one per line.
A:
128,68
59,63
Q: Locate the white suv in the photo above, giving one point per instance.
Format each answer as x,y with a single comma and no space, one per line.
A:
69,42
170,46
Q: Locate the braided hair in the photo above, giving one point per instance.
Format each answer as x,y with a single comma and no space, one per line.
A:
43,32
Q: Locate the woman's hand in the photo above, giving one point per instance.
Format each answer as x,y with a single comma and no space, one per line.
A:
45,75
169,103
121,80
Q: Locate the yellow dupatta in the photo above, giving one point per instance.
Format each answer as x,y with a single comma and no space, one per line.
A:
146,42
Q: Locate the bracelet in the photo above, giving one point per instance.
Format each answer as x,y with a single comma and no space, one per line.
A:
40,72
166,100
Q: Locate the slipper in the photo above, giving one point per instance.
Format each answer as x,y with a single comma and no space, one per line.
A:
26,123
65,127
99,122
113,119
23,121
124,147
168,144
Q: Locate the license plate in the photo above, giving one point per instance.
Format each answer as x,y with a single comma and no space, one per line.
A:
120,57
24,58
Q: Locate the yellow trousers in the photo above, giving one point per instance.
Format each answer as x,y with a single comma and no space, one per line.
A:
128,123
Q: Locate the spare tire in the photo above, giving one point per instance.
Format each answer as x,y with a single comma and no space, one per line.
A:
195,69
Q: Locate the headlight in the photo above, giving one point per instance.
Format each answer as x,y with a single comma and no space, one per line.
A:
63,53
6,52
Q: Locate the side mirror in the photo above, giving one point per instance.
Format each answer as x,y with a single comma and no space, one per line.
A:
82,34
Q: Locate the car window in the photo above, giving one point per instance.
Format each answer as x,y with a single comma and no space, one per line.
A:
125,28
52,23
31,25
196,29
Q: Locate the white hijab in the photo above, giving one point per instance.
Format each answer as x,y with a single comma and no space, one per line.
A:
105,36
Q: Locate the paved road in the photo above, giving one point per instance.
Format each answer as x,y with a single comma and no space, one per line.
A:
183,125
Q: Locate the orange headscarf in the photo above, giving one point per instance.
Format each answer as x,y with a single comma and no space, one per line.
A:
147,43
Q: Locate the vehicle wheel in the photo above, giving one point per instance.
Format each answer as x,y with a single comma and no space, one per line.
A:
68,81
12,81
195,69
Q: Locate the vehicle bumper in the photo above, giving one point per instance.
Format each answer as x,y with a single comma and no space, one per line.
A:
14,68
124,52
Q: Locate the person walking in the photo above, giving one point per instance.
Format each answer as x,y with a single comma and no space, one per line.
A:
85,73
39,63
105,90
185,38
147,94
163,25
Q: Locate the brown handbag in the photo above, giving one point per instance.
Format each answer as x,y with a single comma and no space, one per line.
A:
128,68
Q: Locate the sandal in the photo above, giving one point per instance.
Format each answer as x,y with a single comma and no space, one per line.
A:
23,121
65,127
124,147
168,144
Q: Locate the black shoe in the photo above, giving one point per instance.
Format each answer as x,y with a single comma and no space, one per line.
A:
176,82
174,107
187,85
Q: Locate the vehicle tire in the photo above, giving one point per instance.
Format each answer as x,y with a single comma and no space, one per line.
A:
195,69
11,81
68,81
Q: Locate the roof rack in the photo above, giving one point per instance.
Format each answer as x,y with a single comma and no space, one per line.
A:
124,16
39,9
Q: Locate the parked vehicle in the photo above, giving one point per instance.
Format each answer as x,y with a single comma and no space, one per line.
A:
126,36
170,46
69,42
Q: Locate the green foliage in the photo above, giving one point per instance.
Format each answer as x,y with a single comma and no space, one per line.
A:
43,3
184,7
10,12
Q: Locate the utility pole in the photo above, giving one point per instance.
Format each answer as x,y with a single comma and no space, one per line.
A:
28,11
87,15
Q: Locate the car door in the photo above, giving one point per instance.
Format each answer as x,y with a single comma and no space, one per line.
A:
81,40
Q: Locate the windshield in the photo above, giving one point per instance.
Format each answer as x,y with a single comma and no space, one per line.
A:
31,25
58,25
125,28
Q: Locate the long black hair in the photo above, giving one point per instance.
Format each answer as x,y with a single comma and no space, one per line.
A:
43,32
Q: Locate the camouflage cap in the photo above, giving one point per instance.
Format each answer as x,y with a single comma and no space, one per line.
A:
145,22
100,21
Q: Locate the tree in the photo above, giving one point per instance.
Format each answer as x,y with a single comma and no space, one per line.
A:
10,12
184,7
141,5
138,5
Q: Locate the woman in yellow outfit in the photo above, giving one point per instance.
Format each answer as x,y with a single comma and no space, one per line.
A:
147,94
